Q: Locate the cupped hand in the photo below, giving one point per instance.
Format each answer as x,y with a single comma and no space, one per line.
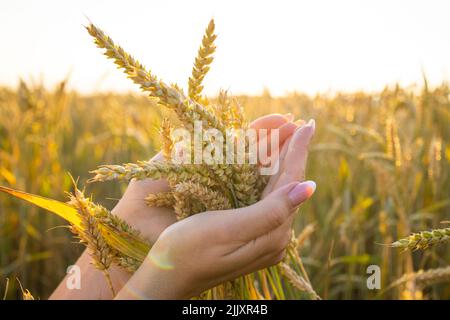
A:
151,221
209,248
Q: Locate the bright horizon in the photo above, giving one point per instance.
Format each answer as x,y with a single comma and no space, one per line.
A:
305,46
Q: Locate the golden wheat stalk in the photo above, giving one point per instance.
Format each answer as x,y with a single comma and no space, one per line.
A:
166,139
187,110
304,235
298,281
89,234
161,199
423,239
93,218
26,294
202,61
424,278
155,170
209,198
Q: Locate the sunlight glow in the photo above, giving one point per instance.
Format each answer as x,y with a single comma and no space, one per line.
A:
307,46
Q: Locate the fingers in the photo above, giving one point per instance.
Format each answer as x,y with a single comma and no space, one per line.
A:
274,178
267,244
271,121
268,214
262,262
266,146
265,230
158,157
293,165
140,189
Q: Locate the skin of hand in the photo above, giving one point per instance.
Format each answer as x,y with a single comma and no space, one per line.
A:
151,221
209,248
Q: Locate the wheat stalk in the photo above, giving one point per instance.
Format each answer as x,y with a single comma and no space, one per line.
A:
26,294
154,170
89,234
424,239
161,199
202,61
166,138
209,198
93,217
187,110
304,235
298,281
423,278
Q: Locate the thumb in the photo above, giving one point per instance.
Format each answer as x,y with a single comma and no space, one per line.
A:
273,211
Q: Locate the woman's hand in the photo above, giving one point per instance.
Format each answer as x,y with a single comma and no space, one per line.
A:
206,249
151,221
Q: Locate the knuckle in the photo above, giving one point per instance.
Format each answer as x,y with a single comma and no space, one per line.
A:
283,242
302,176
279,213
280,257
277,258
287,238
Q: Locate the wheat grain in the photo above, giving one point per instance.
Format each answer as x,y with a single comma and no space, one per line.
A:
166,138
211,199
161,199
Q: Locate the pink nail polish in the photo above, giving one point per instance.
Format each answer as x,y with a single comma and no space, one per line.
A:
301,192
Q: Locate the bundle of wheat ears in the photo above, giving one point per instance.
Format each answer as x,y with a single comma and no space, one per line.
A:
194,187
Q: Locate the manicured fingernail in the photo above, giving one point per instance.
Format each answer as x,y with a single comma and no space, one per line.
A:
311,123
301,192
289,116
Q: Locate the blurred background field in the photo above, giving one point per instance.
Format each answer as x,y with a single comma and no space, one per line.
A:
381,161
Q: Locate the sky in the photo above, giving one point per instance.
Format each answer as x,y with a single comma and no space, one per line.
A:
284,46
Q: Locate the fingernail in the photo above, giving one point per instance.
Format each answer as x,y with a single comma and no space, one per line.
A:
289,116
301,192
311,123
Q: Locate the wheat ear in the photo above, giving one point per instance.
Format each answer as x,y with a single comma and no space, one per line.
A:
90,235
423,278
155,170
298,281
166,139
202,62
304,235
161,199
187,110
424,239
26,294
211,199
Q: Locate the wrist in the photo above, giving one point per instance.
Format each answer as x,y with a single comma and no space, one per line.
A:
154,282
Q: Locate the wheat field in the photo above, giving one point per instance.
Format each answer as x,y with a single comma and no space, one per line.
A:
380,160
